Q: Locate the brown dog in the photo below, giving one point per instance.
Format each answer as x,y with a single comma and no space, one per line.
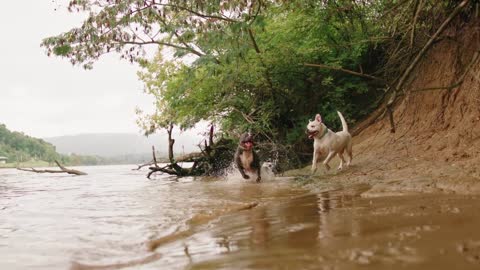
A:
245,158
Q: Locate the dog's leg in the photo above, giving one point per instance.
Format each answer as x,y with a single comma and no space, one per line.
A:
342,160
314,161
256,164
331,154
349,152
259,176
240,167
242,172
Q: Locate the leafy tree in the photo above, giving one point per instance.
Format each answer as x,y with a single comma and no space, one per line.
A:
236,63
242,64
18,147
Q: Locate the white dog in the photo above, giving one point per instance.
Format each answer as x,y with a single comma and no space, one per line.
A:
327,141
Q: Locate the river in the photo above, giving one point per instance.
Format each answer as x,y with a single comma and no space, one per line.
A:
110,218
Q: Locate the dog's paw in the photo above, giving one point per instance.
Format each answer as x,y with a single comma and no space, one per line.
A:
246,177
327,167
259,179
339,168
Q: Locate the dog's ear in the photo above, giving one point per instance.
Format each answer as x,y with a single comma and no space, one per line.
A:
318,118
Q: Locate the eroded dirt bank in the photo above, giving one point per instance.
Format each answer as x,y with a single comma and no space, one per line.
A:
436,146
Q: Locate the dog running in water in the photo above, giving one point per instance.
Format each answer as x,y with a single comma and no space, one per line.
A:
329,142
246,158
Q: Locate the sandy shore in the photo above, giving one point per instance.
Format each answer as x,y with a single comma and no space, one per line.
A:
390,171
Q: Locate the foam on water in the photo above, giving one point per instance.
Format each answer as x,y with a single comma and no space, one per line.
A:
233,174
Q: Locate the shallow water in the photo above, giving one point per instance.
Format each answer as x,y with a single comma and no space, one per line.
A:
109,218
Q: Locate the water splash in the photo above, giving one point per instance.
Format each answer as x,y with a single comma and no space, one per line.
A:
232,173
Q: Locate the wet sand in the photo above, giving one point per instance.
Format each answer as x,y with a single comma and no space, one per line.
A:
341,230
116,219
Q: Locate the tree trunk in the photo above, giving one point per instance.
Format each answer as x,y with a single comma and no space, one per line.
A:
170,143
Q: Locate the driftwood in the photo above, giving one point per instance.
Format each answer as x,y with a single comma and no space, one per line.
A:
174,169
150,163
62,170
209,161
169,169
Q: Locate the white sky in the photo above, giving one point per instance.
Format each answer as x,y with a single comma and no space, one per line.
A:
46,96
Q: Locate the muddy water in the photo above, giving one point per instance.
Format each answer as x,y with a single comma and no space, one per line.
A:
110,218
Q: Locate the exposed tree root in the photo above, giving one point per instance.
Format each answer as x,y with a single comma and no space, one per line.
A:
406,74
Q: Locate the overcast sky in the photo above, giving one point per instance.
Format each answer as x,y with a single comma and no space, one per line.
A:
47,96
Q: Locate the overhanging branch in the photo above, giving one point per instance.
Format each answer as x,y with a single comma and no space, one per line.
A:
351,72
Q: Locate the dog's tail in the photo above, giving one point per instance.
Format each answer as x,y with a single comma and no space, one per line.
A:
344,123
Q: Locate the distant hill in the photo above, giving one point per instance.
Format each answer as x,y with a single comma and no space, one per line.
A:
19,147
123,144
91,149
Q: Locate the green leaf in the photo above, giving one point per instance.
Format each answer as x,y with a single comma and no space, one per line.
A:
62,50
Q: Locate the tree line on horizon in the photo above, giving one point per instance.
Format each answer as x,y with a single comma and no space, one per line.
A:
19,148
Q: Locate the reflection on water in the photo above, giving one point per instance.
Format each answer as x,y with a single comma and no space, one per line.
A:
107,219
341,230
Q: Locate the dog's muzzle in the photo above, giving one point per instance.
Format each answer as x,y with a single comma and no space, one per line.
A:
311,134
247,144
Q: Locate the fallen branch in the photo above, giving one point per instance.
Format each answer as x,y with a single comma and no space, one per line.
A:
144,165
165,169
62,170
172,168
38,171
210,161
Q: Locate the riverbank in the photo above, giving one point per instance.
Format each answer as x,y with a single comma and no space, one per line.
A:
436,143
398,166
435,146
